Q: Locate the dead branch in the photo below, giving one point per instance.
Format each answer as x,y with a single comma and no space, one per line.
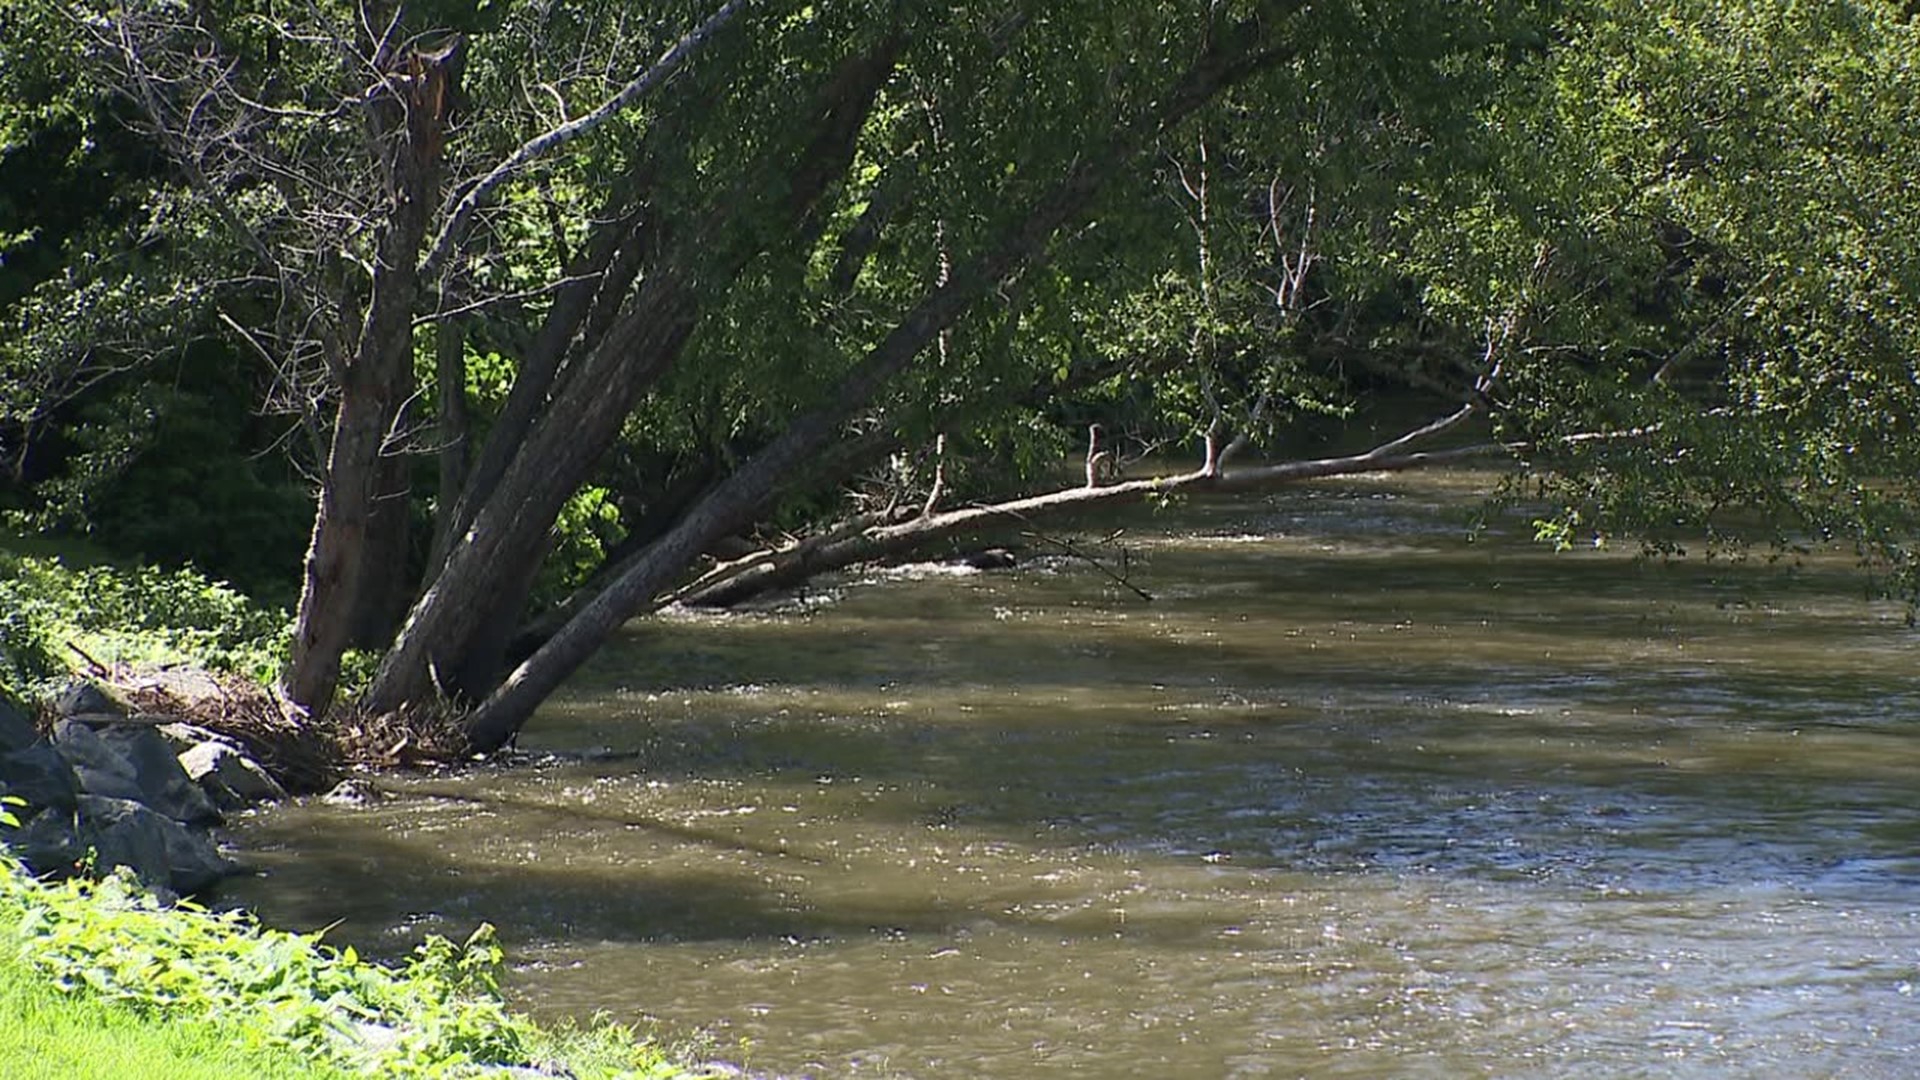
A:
457,218
1071,549
781,569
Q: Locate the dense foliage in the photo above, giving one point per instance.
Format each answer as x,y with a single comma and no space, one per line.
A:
537,323
52,614
438,1015
1718,257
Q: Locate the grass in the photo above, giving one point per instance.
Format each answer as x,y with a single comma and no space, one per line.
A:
97,979
49,1034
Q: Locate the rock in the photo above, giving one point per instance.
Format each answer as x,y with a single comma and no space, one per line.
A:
133,763
184,736
16,726
168,789
80,697
41,776
163,854
990,559
160,851
49,843
101,769
353,793
230,778
194,861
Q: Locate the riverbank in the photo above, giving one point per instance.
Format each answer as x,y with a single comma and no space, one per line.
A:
47,1033
133,769
109,968
99,979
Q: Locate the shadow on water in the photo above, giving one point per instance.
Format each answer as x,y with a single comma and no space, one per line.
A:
606,901
1439,790
1349,794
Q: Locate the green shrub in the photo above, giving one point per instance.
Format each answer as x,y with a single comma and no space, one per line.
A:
438,1015
144,615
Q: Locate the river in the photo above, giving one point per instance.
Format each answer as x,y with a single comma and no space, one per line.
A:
1354,795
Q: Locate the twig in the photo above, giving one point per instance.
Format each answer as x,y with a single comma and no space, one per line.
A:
95,667
503,298
1069,548
456,225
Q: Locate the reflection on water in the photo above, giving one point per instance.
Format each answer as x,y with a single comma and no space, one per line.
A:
1351,797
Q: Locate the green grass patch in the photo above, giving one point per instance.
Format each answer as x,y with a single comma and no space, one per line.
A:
48,1034
128,616
103,970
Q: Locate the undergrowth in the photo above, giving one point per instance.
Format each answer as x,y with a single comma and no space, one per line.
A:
128,616
440,1014
47,1034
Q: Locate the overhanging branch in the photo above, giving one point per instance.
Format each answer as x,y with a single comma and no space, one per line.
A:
457,219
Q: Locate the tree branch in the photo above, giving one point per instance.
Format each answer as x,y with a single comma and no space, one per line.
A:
462,213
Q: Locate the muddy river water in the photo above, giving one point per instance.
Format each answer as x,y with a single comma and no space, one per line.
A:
1352,796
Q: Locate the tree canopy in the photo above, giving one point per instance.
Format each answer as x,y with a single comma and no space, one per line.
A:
545,303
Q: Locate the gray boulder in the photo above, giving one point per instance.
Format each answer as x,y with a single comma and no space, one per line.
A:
102,769
49,843
162,853
230,778
183,736
16,726
194,861
133,762
82,698
166,786
41,776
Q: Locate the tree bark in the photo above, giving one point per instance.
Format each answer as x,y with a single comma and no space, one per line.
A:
453,432
405,121
383,595
453,640
1229,58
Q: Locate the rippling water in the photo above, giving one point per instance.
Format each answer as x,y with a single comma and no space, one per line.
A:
1350,797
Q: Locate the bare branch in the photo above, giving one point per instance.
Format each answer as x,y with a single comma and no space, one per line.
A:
539,146
503,298
1426,431
939,475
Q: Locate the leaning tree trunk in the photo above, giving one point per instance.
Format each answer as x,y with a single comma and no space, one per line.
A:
789,567
730,506
406,124
455,639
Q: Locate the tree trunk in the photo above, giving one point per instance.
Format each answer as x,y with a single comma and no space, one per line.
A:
453,432
383,595
599,278
789,567
731,505
373,384
453,640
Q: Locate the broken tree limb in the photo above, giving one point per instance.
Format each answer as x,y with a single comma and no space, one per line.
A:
783,569
1073,550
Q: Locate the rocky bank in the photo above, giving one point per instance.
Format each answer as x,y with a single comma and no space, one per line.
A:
108,787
